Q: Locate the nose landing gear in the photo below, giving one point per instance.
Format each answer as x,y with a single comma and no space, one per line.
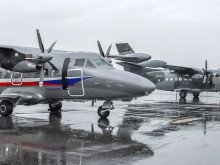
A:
104,110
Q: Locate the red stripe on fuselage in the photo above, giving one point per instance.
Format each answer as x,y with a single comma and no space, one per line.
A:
26,84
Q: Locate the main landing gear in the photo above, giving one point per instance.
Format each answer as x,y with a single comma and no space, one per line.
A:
183,93
6,108
104,110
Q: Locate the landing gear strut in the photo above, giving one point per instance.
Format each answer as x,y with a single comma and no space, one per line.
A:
55,106
104,110
6,108
183,93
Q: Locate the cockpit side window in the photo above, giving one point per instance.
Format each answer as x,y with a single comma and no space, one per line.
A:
89,63
101,62
79,62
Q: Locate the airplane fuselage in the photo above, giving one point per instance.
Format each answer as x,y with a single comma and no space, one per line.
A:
170,81
87,76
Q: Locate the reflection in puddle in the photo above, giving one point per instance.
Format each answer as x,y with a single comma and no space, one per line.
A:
34,141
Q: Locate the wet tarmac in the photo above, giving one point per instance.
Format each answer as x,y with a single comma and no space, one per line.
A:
156,129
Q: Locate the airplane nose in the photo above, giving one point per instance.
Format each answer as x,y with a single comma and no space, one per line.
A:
139,85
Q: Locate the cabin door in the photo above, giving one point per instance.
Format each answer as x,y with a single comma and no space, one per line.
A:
75,82
16,78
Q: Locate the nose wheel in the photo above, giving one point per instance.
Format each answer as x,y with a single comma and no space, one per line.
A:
103,112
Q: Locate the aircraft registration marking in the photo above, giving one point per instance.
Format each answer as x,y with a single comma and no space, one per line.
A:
159,76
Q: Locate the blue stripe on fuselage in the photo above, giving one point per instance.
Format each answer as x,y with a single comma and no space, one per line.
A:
71,81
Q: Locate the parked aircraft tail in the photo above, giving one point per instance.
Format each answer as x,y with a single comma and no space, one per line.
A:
124,48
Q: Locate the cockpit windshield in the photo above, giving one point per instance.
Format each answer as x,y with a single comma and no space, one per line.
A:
101,62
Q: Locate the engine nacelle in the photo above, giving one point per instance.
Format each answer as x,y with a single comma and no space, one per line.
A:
26,67
153,63
197,76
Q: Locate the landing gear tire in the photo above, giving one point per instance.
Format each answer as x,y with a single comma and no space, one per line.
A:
183,94
103,123
196,94
6,108
103,112
55,106
182,101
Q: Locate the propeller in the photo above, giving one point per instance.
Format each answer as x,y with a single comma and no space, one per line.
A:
108,51
207,74
101,50
42,60
51,47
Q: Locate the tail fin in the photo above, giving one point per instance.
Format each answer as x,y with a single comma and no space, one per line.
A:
124,48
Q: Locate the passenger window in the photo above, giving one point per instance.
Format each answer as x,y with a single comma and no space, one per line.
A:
167,79
171,79
89,63
176,79
180,78
79,62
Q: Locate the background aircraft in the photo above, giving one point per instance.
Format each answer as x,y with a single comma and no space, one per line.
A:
30,76
125,53
176,78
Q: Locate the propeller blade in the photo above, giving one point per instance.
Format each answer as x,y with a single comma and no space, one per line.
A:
51,47
41,46
53,66
206,65
41,76
210,82
108,51
100,49
204,79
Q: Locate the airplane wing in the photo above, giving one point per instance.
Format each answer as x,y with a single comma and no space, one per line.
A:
15,97
183,70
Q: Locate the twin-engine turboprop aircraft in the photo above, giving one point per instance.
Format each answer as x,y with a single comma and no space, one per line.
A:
30,77
176,78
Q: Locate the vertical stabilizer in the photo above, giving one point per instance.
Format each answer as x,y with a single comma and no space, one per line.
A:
124,48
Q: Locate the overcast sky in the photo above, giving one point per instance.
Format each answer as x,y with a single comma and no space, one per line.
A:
181,32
